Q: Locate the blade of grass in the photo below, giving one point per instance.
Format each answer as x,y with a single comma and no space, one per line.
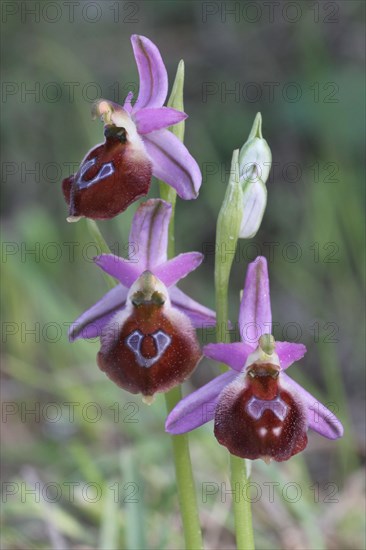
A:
109,528
132,496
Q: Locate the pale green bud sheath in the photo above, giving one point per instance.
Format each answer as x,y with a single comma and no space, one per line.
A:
255,161
227,233
176,100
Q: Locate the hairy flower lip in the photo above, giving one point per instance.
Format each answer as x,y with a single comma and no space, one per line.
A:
140,344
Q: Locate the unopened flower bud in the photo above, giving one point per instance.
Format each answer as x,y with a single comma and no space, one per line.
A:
255,156
254,165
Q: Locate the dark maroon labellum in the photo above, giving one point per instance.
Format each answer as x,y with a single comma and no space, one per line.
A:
110,178
260,419
152,352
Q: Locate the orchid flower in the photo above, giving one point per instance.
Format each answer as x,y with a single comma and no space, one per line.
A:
259,411
137,145
146,323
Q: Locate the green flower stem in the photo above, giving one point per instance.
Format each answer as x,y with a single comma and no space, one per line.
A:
185,481
242,507
181,455
228,225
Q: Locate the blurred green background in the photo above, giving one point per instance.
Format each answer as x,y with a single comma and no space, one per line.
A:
96,457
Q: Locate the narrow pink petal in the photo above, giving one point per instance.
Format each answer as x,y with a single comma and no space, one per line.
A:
320,419
152,72
198,407
150,120
234,354
92,321
255,317
173,270
288,353
124,270
201,317
149,233
173,163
